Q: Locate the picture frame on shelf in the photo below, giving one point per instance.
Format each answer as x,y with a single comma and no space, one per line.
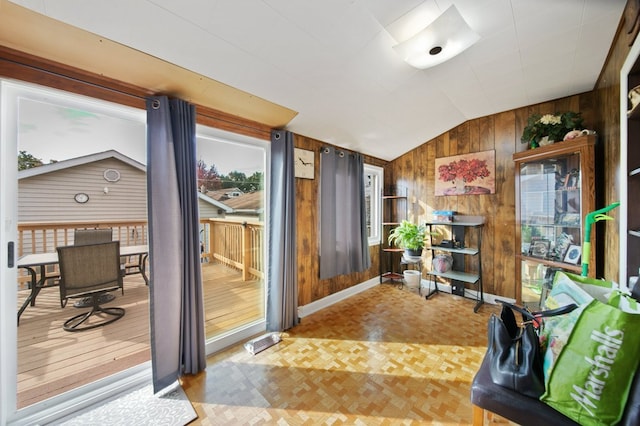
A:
569,219
540,248
573,254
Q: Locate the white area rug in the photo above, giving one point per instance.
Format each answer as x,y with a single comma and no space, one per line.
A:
170,407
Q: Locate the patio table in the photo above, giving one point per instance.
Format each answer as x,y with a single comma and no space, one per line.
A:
33,262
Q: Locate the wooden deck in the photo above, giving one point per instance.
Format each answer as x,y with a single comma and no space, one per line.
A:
51,360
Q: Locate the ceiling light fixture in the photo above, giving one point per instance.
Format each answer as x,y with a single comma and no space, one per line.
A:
440,41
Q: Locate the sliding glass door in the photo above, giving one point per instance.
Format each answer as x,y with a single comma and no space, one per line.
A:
232,200
68,163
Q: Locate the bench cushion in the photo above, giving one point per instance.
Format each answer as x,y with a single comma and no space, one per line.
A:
512,405
530,411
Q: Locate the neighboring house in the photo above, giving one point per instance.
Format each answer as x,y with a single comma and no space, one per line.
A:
225,194
210,208
101,187
249,205
94,187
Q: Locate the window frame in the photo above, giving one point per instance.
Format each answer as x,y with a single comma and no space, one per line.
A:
374,212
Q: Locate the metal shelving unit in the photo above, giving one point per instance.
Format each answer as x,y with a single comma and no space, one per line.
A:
459,276
394,210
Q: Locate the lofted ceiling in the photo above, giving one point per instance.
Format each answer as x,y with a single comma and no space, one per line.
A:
332,61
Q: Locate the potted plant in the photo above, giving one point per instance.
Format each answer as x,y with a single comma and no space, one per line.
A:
553,127
408,236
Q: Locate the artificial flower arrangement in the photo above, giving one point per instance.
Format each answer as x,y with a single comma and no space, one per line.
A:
554,126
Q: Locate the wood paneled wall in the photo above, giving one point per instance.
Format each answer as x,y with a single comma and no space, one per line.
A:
415,169
500,132
310,286
607,101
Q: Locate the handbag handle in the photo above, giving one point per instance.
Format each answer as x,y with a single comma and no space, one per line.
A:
533,316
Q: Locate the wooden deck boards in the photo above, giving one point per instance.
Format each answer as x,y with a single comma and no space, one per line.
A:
51,360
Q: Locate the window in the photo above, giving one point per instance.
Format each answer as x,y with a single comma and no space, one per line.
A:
372,190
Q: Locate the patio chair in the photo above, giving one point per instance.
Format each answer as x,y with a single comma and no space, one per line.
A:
92,236
89,271
86,236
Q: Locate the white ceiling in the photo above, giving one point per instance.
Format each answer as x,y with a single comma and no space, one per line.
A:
333,61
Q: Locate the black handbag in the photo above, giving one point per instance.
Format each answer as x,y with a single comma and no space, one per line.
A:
514,349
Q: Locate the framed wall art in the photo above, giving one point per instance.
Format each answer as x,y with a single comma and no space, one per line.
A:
466,174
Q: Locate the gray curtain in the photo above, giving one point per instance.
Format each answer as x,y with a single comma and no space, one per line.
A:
282,282
176,301
344,246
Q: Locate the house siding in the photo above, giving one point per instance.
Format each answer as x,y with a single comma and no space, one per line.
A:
207,210
50,197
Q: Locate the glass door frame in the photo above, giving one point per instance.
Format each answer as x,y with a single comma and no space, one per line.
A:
54,408
250,330
79,398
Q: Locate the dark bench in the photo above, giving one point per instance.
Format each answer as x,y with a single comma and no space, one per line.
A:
485,395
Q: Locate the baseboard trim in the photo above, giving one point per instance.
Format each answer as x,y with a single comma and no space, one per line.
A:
327,301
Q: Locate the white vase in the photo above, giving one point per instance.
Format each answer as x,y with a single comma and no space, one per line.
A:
545,141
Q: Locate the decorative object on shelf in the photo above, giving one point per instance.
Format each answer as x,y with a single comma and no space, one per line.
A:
552,126
572,135
303,163
573,254
443,216
545,141
456,172
540,248
408,236
634,100
578,133
442,263
563,242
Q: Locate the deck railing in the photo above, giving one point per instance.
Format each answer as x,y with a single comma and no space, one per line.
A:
236,244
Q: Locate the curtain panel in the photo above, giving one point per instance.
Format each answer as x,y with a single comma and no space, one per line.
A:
282,280
176,300
344,245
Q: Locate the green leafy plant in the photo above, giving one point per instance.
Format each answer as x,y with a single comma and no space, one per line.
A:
555,126
408,235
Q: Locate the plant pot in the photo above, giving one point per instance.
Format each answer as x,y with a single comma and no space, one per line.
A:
412,278
413,253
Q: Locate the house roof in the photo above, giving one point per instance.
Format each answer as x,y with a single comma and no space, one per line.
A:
328,70
220,194
253,201
78,161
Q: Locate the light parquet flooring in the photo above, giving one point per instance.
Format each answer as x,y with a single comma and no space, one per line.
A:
385,356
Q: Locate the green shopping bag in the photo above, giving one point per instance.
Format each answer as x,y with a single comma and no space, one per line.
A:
594,362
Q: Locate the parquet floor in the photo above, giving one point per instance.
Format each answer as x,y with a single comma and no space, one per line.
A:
385,356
